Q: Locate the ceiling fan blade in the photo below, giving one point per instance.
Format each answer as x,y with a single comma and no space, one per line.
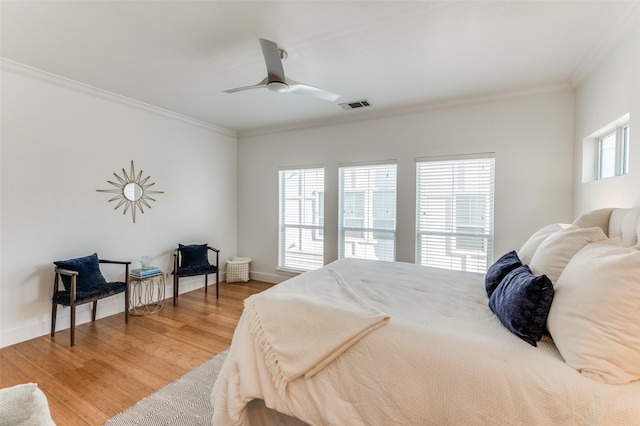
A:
275,70
276,81
305,89
263,83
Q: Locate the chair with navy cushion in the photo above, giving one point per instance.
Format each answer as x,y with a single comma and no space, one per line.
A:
192,260
83,283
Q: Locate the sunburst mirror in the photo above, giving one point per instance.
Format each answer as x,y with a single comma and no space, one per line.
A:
132,192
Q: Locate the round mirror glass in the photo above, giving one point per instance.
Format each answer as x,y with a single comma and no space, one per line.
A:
132,191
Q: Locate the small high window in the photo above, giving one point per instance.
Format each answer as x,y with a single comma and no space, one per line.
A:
613,153
606,152
607,163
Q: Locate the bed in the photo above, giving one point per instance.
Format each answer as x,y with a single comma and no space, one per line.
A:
362,342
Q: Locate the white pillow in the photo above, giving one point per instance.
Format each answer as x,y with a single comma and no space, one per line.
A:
557,249
24,405
622,224
528,249
595,314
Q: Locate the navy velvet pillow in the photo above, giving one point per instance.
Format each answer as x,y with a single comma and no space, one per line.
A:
88,269
522,302
499,270
193,255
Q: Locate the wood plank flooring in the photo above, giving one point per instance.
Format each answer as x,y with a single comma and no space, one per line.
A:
114,365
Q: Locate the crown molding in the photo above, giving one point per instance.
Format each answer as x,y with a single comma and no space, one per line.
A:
32,72
612,37
352,117
362,115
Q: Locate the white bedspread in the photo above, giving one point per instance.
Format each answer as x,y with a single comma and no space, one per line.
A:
443,358
306,324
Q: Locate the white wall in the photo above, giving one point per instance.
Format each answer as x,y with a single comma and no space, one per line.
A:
610,91
531,136
62,141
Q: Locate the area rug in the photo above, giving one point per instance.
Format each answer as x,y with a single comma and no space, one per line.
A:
187,401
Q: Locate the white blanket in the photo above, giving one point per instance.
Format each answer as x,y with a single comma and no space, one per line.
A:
301,328
443,358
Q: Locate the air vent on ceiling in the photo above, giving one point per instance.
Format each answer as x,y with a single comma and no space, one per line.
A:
355,104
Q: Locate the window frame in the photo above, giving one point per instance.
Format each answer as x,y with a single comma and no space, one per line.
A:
621,130
626,138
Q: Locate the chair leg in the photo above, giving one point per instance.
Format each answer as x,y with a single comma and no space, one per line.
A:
176,283
126,305
206,283
72,327
94,310
54,311
217,284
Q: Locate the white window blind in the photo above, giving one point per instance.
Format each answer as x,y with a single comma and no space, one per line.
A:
367,211
455,213
301,219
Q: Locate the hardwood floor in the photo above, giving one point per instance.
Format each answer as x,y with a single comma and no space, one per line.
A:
114,365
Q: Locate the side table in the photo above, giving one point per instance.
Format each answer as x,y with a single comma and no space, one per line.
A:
146,295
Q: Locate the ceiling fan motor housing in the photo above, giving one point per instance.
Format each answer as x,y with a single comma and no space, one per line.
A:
278,86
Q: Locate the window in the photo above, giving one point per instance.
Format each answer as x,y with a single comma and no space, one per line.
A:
367,215
613,153
605,153
607,156
454,209
301,219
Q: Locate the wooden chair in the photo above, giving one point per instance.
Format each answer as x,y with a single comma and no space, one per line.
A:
192,260
83,283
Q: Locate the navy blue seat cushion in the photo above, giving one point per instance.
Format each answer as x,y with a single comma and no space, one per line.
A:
522,302
89,276
193,255
189,271
84,296
496,272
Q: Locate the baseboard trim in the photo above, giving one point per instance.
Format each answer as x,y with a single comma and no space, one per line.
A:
268,277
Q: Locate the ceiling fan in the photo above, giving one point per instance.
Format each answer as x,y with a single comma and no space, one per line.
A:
276,81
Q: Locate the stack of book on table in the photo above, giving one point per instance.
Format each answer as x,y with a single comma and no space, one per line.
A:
146,272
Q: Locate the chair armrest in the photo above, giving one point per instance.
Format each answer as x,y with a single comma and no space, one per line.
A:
66,272
217,252
119,262
73,283
126,264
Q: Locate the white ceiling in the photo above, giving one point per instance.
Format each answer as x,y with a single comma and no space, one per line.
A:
181,55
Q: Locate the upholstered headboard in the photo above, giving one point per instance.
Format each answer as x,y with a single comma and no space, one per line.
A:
615,222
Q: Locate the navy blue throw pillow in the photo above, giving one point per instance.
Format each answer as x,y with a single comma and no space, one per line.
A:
522,302
88,269
499,270
193,255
